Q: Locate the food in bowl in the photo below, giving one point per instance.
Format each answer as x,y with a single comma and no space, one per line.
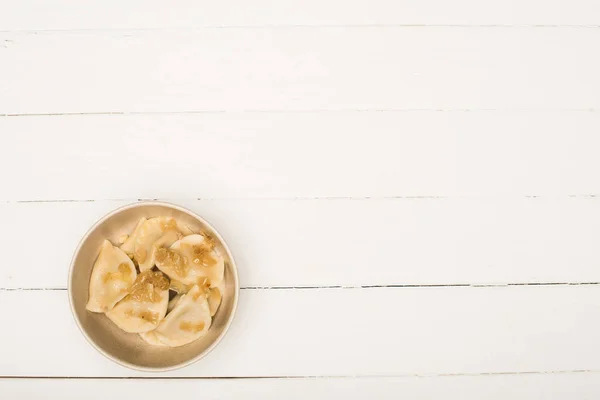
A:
164,282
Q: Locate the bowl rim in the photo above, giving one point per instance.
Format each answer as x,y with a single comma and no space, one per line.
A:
233,268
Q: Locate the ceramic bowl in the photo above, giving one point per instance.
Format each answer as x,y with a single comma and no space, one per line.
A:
129,349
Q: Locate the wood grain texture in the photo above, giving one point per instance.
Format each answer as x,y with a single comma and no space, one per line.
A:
295,243
582,385
421,149
308,155
111,14
299,69
342,332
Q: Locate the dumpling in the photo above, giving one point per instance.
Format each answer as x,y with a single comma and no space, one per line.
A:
214,300
189,320
145,305
152,234
129,245
192,259
112,276
179,287
213,293
166,240
152,338
173,302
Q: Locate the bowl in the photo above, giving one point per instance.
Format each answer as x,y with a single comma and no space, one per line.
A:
128,349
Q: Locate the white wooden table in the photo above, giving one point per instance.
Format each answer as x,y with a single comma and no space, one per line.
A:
409,187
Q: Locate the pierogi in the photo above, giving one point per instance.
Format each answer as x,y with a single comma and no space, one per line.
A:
191,260
112,277
145,305
164,282
189,320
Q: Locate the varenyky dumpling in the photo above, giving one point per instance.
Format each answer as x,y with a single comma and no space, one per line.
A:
214,293
112,276
179,287
173,302
152,338
151,234
129,245
190,264
192,259
189,320
214,299
146,304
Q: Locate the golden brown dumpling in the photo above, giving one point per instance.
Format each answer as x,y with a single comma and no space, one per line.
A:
112,276
145,305
173,302
189,320
179,287
191,260
150,235
151,338
129,245
214,300
213,294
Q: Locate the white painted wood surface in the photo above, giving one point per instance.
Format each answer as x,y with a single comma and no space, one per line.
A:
352,242
140,14
438,158
321,68
551,386
344,332
306,155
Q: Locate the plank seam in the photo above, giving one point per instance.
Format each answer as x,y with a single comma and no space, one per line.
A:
232,198
298,377
309,26
295,198
360,287
298,111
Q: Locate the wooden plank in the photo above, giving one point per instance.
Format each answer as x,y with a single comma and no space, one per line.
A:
266,155
562,386
347,242
68,14
341,332
299,69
